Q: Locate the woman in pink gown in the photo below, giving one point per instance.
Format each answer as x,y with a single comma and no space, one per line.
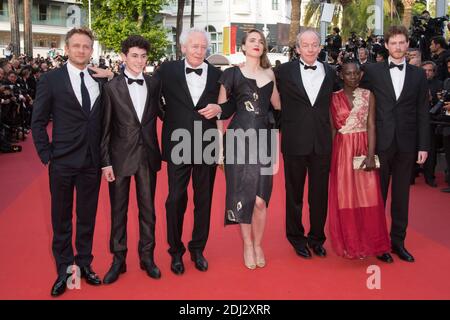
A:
357,221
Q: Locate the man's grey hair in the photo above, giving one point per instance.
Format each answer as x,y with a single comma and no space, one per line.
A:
185,34
306,30
365,50
419,53
430,63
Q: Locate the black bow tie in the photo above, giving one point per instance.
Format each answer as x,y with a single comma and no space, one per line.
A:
393,65
306,67
197,71
138,81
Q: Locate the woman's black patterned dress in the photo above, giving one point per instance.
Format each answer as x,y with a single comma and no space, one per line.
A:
247,144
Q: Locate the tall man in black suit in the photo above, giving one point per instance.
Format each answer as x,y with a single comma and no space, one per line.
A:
402,124
129,147
71,95
305,88
190,89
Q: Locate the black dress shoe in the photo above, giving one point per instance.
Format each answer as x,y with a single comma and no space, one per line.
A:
303,252
59,287
403,254
200,261
386,257
177,265
446,190
90,276
113,273
431,182
319,250
151,269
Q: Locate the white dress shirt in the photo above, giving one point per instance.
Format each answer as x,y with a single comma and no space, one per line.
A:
91,85
312,80
138,94
196,83
398,77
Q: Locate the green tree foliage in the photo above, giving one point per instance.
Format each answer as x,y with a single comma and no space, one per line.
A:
418,7
114,20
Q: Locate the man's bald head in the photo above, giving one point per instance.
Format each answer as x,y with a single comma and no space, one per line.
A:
308,45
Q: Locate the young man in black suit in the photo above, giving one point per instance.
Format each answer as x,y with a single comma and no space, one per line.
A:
129,147
305,88
190,89
71,96
402,128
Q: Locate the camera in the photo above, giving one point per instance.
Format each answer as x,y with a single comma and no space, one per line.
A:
436,25
423,29
419,25
437,108
7,93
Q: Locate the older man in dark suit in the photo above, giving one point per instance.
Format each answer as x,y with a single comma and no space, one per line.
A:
190,89
305,88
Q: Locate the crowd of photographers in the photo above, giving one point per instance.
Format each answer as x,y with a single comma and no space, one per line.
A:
18,79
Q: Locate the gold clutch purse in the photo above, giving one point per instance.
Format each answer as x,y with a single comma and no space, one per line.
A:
358,160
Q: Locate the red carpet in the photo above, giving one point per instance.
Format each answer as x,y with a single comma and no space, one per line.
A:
27,267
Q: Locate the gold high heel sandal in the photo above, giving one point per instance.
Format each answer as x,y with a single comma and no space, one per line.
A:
260,260
249,260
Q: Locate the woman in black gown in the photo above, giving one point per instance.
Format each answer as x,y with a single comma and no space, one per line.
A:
247,144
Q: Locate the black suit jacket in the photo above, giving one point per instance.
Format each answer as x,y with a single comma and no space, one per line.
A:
124,137
179,109
304,128
74,131
406,120
364,65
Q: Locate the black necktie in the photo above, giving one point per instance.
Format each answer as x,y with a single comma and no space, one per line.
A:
197,71
85,99
306,67
393,65
138,81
